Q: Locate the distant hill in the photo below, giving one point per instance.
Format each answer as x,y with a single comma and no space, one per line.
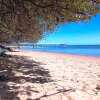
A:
59,45
68,46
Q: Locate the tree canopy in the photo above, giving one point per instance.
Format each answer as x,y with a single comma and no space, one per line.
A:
26,20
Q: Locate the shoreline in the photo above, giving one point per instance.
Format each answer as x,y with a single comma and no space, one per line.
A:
35,53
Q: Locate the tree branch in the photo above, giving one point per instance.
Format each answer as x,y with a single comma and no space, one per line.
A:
39,5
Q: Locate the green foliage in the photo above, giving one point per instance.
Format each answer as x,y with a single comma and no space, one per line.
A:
26,20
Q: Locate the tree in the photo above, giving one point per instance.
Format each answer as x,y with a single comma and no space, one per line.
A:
26,20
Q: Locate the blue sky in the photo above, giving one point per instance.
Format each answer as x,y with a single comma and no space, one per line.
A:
76,33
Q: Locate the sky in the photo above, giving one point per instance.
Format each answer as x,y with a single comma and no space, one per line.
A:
75,33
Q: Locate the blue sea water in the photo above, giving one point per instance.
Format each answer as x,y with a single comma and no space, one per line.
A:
77,50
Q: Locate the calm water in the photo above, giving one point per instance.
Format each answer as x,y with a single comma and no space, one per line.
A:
79,50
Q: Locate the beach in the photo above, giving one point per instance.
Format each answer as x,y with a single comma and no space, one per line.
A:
55,76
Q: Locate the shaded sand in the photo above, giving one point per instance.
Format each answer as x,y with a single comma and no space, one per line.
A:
52,76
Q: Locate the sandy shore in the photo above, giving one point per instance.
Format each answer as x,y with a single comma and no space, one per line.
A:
45,54
64,77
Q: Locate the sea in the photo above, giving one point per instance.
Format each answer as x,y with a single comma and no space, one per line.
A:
85,50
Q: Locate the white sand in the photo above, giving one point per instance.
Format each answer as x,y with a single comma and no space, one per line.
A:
78,74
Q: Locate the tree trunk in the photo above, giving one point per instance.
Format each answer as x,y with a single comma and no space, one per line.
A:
4,49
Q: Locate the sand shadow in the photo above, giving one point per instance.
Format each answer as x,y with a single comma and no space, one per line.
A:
15,70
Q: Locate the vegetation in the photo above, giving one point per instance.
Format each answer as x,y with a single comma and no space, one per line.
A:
26,20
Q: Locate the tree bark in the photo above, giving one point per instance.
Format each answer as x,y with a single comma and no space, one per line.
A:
3,49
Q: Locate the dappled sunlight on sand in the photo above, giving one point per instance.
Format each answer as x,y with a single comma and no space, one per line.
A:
47,76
